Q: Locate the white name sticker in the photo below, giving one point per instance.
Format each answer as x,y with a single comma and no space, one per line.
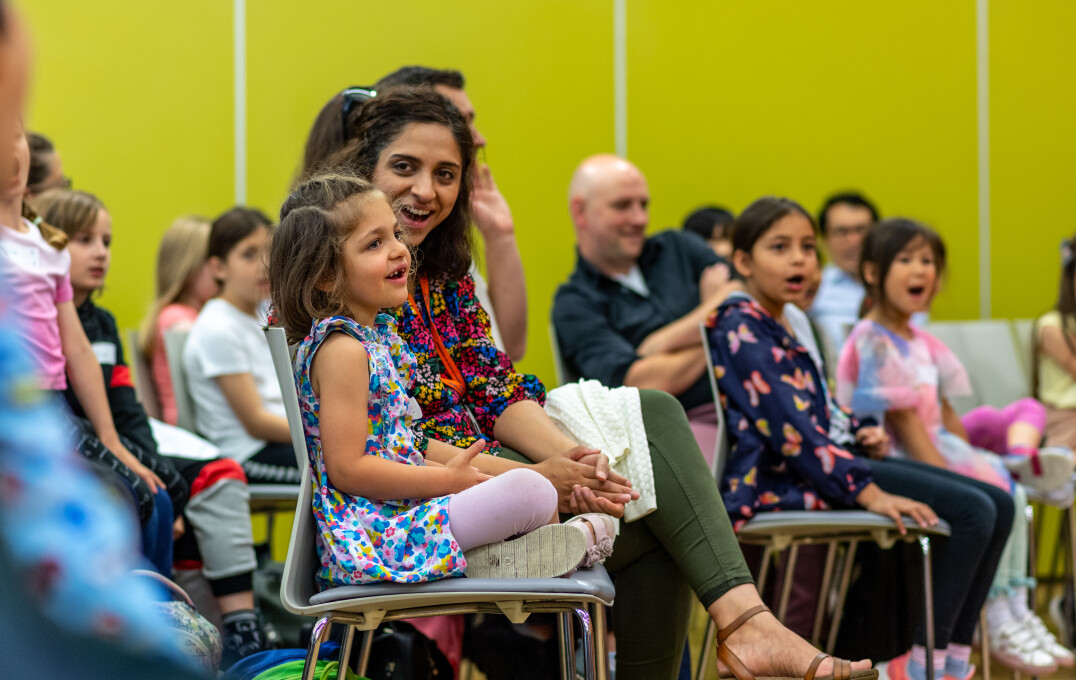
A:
106,353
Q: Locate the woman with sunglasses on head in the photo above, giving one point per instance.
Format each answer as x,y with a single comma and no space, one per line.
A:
418,150
506,294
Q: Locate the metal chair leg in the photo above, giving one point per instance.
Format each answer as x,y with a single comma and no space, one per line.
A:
984,641
928,603
842,593
589,667
364,652
601,656
708,639
345,652
1071,514
786,583
317,636
566,646
823,594
1032,556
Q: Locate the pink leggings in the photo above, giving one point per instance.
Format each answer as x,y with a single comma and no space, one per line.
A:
988,427
511,504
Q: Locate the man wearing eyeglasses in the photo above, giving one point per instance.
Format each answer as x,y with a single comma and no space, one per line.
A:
843,220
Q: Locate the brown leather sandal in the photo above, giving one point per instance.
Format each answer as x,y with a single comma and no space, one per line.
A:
842,669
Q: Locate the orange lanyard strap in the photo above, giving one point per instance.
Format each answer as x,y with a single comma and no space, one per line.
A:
454,380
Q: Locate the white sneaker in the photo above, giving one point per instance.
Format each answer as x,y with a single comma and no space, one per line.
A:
1062,655
1049,469
1014,646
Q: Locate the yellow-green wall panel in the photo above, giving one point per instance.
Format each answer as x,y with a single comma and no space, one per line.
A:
538,73
137,96
1033,151
734,100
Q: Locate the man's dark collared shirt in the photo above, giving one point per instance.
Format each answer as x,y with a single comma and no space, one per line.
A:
600,322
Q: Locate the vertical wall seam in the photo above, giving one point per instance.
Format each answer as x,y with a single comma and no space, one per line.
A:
239,99
982,58
620,77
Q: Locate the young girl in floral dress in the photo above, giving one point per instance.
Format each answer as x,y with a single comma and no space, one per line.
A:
384,513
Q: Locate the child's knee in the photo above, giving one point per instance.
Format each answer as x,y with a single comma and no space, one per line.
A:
540,493
1030,411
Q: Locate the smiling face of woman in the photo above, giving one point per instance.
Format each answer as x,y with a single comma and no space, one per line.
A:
420,171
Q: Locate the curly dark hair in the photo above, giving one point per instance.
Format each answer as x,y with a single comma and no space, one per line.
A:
446,251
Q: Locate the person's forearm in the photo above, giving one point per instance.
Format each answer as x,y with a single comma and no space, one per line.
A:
914,437
268,427
376,478
441,453
684,332
673,373
507,291
86,379
952,421
525,427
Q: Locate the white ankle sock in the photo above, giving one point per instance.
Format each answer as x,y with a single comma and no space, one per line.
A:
998,612
1018,603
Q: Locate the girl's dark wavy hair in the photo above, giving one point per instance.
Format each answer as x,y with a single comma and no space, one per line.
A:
757,218
446,252
307,280
881,245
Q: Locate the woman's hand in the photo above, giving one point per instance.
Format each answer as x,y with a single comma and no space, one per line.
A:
585,483
894,507
460,473
489,211
874,440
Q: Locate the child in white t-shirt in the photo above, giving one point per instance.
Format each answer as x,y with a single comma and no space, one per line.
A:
237,401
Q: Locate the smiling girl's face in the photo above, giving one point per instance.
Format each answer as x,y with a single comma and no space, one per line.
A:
781,264
420,171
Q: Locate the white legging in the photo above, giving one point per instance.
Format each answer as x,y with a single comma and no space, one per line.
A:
511,504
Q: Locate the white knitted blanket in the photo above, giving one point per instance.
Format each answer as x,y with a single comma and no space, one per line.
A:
610,420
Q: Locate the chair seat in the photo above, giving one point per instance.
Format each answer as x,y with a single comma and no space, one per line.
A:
585,585
274,492
820,525
273,497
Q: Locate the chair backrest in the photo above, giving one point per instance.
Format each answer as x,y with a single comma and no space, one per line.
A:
297,584
143,378
285,375
174,343
564,373
721,444
1022,330
991,358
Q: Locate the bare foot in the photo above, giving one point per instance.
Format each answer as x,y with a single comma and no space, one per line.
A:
768,649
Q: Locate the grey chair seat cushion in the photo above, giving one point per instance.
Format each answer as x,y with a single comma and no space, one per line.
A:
593,583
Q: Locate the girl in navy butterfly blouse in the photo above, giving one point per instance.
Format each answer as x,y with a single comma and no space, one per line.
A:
788,453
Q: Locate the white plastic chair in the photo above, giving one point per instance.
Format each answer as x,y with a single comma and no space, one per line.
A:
991,357
364,607
787,530
143,378
174,342
563,373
